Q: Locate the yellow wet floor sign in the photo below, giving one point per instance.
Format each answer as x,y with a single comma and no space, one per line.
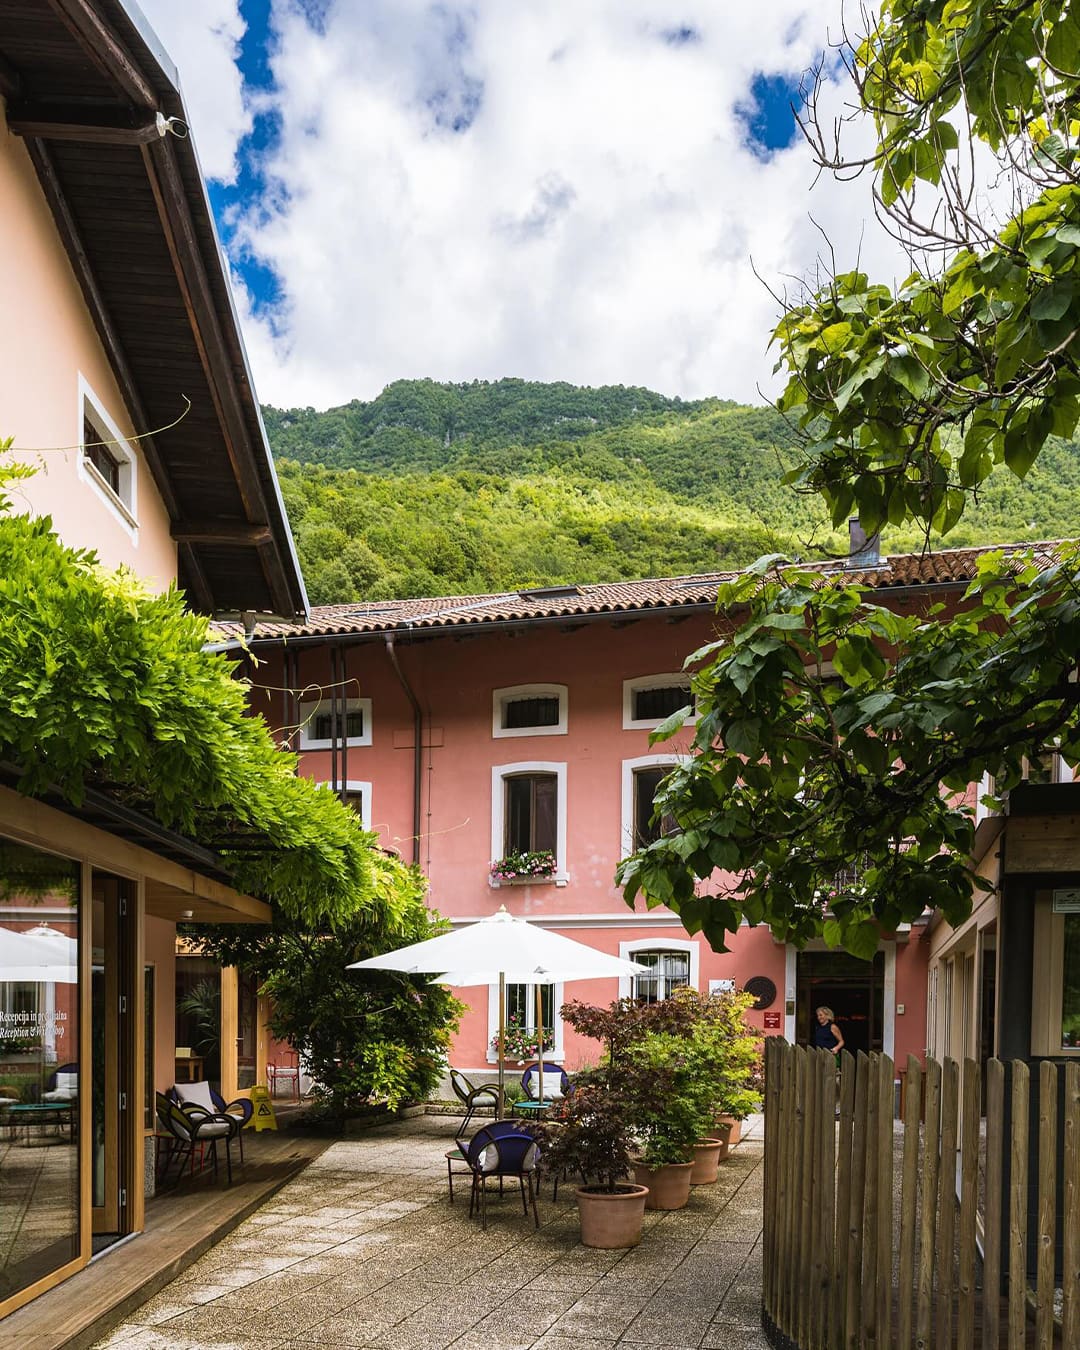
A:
263,1117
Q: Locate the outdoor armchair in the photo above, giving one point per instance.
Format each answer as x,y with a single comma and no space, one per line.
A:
503,1149
556,1082
189,1125
205,1095
62,1085
472,1096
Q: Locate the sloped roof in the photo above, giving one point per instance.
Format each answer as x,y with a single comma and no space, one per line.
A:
921,571
89,89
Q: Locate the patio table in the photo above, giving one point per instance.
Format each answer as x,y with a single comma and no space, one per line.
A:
528,1109
29,1114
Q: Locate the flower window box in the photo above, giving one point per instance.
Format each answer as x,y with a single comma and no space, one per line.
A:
523,868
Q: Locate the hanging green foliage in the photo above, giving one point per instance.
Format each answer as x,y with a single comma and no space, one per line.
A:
109,686
363,1035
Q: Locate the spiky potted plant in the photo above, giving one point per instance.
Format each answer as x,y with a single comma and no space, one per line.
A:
589,1133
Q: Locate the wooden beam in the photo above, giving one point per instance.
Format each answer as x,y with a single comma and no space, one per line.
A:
35,822
187,532
92,124
204,596
103,47
10,79
179,227
95,302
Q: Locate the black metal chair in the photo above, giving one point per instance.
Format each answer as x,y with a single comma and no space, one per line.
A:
240,1109
472,1096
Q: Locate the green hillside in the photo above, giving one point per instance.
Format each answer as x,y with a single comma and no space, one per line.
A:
434,489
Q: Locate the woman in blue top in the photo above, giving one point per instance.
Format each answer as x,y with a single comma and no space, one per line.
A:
827,1033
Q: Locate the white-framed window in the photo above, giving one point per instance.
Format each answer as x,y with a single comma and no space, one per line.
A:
106,460
317,723
521,1004
672,964
529,710
640,779
357,798
649,699
528,811
1045,767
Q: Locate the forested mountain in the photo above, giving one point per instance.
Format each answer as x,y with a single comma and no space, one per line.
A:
437,489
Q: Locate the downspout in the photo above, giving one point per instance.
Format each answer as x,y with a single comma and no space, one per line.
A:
418,737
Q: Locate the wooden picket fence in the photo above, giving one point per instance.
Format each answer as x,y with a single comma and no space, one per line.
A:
893,1234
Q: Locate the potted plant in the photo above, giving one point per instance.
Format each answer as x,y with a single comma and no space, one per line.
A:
673,1090
590,1133
741,1077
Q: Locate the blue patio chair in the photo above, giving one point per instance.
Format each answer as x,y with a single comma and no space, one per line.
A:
556,1082
503,1149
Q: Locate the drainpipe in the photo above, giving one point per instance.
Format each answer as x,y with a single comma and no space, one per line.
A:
418,749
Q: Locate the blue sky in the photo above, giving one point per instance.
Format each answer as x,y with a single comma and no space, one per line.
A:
410,188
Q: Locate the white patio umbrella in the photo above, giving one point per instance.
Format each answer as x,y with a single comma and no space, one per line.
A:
503,949
43,956
39,955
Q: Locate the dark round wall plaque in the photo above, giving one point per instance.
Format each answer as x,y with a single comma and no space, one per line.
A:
763,990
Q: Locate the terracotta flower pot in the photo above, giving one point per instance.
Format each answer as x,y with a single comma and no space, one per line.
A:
669,1186
611,1219
736,1129
721,1130
706,1166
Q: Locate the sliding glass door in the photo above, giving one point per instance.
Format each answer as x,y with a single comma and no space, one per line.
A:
40,1069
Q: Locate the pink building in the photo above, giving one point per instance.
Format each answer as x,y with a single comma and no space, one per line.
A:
480,725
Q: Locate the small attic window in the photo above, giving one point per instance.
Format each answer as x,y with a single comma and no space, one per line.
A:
529,710
650,700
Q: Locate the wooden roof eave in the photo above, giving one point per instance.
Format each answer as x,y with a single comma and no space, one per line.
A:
147,104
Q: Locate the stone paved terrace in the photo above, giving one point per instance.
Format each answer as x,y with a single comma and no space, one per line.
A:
364,1250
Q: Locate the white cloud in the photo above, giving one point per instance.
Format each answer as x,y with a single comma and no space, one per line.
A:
203,37
592,219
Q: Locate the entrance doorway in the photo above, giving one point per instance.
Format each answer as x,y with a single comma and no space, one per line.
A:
853,989
114,1113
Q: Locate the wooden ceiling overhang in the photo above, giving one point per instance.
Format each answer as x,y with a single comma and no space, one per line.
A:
97,101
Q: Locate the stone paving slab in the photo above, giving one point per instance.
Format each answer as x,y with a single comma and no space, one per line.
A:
363,1251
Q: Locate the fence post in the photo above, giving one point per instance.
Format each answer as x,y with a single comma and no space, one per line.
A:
853,1300
1018,1186
883,1239
969,1200
995,1145
806,1190
788,1268
868,1294
908,1200
769,1192
924,1300
1071,1201
843,1202
1044,1285
827,1173
946,1233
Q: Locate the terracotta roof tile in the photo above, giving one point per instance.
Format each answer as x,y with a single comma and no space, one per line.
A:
948,567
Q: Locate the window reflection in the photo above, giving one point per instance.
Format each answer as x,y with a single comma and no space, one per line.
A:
1070,990
39,1064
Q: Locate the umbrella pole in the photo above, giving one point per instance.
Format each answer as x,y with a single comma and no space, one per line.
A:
502,1045
540,1039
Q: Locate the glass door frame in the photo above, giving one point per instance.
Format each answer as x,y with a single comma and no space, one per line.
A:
124,1034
